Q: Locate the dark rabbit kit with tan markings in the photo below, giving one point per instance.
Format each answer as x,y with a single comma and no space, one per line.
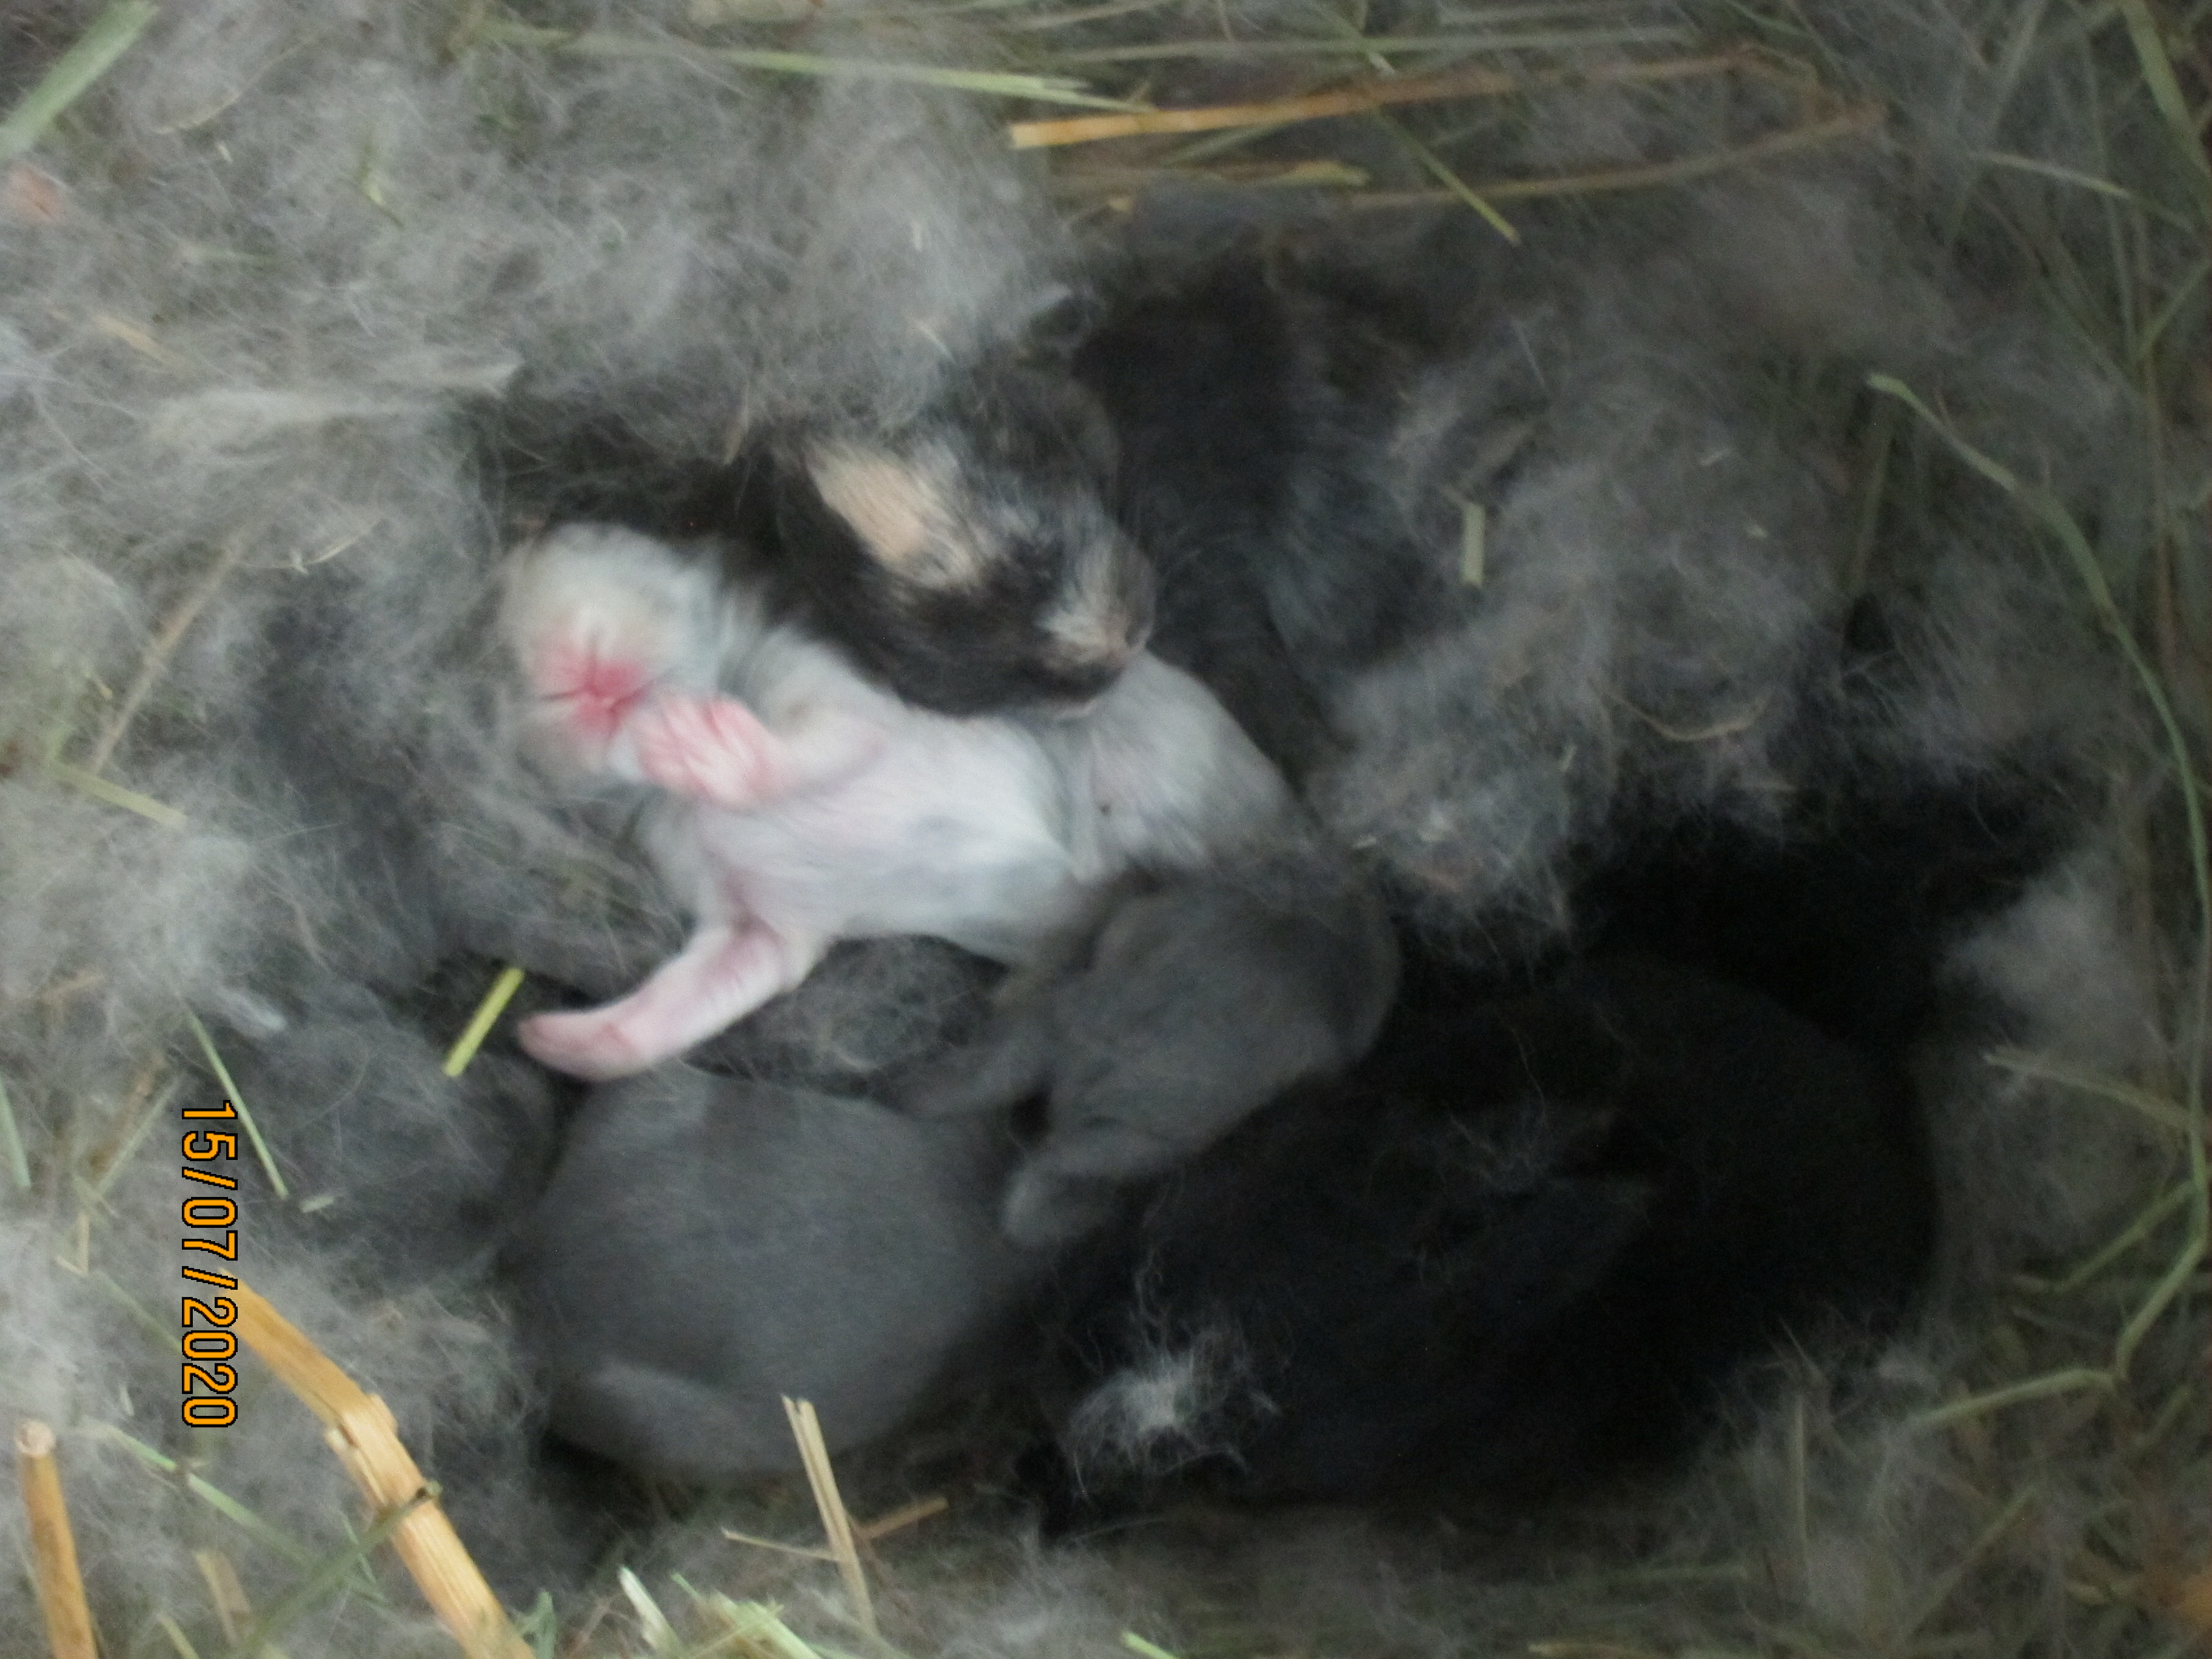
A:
968,560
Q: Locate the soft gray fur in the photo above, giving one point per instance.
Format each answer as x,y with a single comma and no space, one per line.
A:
837,810
255,277
1200,1001
709,1247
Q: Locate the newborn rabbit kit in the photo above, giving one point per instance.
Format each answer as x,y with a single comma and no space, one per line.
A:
820,808
1763,1218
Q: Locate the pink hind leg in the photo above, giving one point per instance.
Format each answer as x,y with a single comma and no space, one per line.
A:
717,750
722,974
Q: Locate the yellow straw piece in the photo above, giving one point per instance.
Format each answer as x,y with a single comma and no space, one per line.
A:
486,1016
836,1521
53,1546
365,1440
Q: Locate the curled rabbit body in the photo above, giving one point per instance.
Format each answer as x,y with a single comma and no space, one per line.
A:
791,802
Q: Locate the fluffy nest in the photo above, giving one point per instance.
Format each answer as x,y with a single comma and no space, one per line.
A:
262,263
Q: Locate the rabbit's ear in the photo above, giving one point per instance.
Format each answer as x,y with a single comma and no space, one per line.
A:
899,509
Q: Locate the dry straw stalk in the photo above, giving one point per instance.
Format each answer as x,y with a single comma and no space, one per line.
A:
363,1435
836,1521
1475,81
53,1546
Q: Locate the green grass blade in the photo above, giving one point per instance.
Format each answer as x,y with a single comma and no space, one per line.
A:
326,1579
2046,1387
230,1091
596,43
218,1500
115,795
2166,92
2048,510
480,1023
111,35
11,1142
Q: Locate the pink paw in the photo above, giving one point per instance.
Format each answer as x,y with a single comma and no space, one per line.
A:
585,1044
711,749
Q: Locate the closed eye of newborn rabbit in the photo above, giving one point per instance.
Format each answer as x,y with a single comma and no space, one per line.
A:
792,803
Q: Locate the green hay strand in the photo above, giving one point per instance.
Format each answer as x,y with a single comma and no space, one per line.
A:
1057,19
111,35
540,1627
2143,33
2088,181
177,1637
480,1023
2163,1208
594,43
218,1500
327,1578
11,1142
1440,170
2160,1111
2044,509
161,1100
115,795
1947,1582
756,1630
652,1623
2162,319
166,1336
2076,1380
230,1091
1458,45
2169,1288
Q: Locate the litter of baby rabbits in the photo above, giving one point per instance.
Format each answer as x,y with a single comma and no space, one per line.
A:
1780,399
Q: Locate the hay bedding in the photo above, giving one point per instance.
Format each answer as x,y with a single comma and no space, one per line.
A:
257,272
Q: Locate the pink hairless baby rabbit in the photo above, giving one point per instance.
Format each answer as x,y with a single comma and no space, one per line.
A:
792,803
